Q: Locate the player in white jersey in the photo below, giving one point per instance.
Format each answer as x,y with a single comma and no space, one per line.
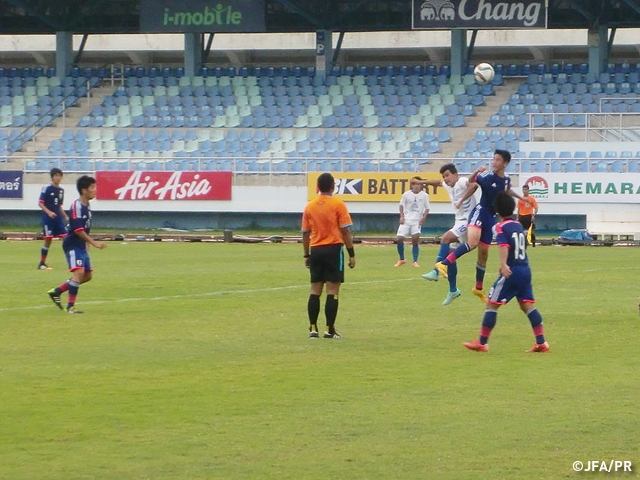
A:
414,208
456,187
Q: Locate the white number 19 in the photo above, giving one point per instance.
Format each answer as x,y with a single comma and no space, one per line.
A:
520,243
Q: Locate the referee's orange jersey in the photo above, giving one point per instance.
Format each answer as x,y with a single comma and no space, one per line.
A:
324,217
527,206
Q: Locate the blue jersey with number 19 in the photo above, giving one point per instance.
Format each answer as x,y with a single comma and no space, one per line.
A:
510,233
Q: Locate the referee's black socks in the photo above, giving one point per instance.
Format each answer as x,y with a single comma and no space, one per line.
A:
331,311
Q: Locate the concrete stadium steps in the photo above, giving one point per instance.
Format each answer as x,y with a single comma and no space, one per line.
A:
460,135
69,121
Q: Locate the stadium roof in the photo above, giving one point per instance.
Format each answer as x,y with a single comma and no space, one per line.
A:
122,16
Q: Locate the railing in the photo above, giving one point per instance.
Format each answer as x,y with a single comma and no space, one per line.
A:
604,127
238,165
256,166
35,128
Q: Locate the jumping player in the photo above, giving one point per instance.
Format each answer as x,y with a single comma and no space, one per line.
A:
456,187
514,279
481,220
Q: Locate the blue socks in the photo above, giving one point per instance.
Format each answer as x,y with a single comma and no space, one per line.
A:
443,252
480,270
416,252
488,322
400,247
453,274
457,253
536,323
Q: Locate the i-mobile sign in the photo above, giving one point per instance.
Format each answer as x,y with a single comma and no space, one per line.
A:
474,14
179,16
163,185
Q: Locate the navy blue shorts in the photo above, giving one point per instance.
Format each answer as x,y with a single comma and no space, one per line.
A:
482,219
78,259
517,285
54,227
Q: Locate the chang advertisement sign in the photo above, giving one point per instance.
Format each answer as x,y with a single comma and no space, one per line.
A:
179,16
476,14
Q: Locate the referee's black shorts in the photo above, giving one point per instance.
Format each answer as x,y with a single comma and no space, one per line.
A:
525,221
326,264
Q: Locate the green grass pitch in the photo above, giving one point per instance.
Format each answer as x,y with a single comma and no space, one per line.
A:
192,362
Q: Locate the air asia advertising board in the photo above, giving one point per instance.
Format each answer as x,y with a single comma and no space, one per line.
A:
474,14
163,185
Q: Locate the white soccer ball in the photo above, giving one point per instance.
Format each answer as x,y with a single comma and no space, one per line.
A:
483,73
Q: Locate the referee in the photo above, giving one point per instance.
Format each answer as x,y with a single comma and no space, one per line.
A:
326,227
527,211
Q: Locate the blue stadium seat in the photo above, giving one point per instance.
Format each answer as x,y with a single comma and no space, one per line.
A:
494,121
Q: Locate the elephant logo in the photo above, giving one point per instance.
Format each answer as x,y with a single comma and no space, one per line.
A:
437,10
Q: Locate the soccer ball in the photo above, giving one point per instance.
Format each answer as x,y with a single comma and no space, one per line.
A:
483,72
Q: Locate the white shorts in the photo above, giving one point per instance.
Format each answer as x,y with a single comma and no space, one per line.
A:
460,230
409,230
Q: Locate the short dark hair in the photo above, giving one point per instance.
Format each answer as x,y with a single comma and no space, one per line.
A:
506,156
55,171
448,166
505,205
85,181
326,183
525,186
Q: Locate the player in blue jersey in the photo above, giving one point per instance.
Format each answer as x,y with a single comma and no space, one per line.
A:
481,219
54,218
514,279
75,245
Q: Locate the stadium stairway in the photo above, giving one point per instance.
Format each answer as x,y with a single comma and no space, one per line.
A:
460,135
68,121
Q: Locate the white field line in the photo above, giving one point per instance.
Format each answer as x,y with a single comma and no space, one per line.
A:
196,295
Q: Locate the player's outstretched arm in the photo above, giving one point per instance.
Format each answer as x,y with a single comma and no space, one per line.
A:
514,194
432,182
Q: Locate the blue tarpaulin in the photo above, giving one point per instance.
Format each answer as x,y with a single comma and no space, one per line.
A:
575,237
